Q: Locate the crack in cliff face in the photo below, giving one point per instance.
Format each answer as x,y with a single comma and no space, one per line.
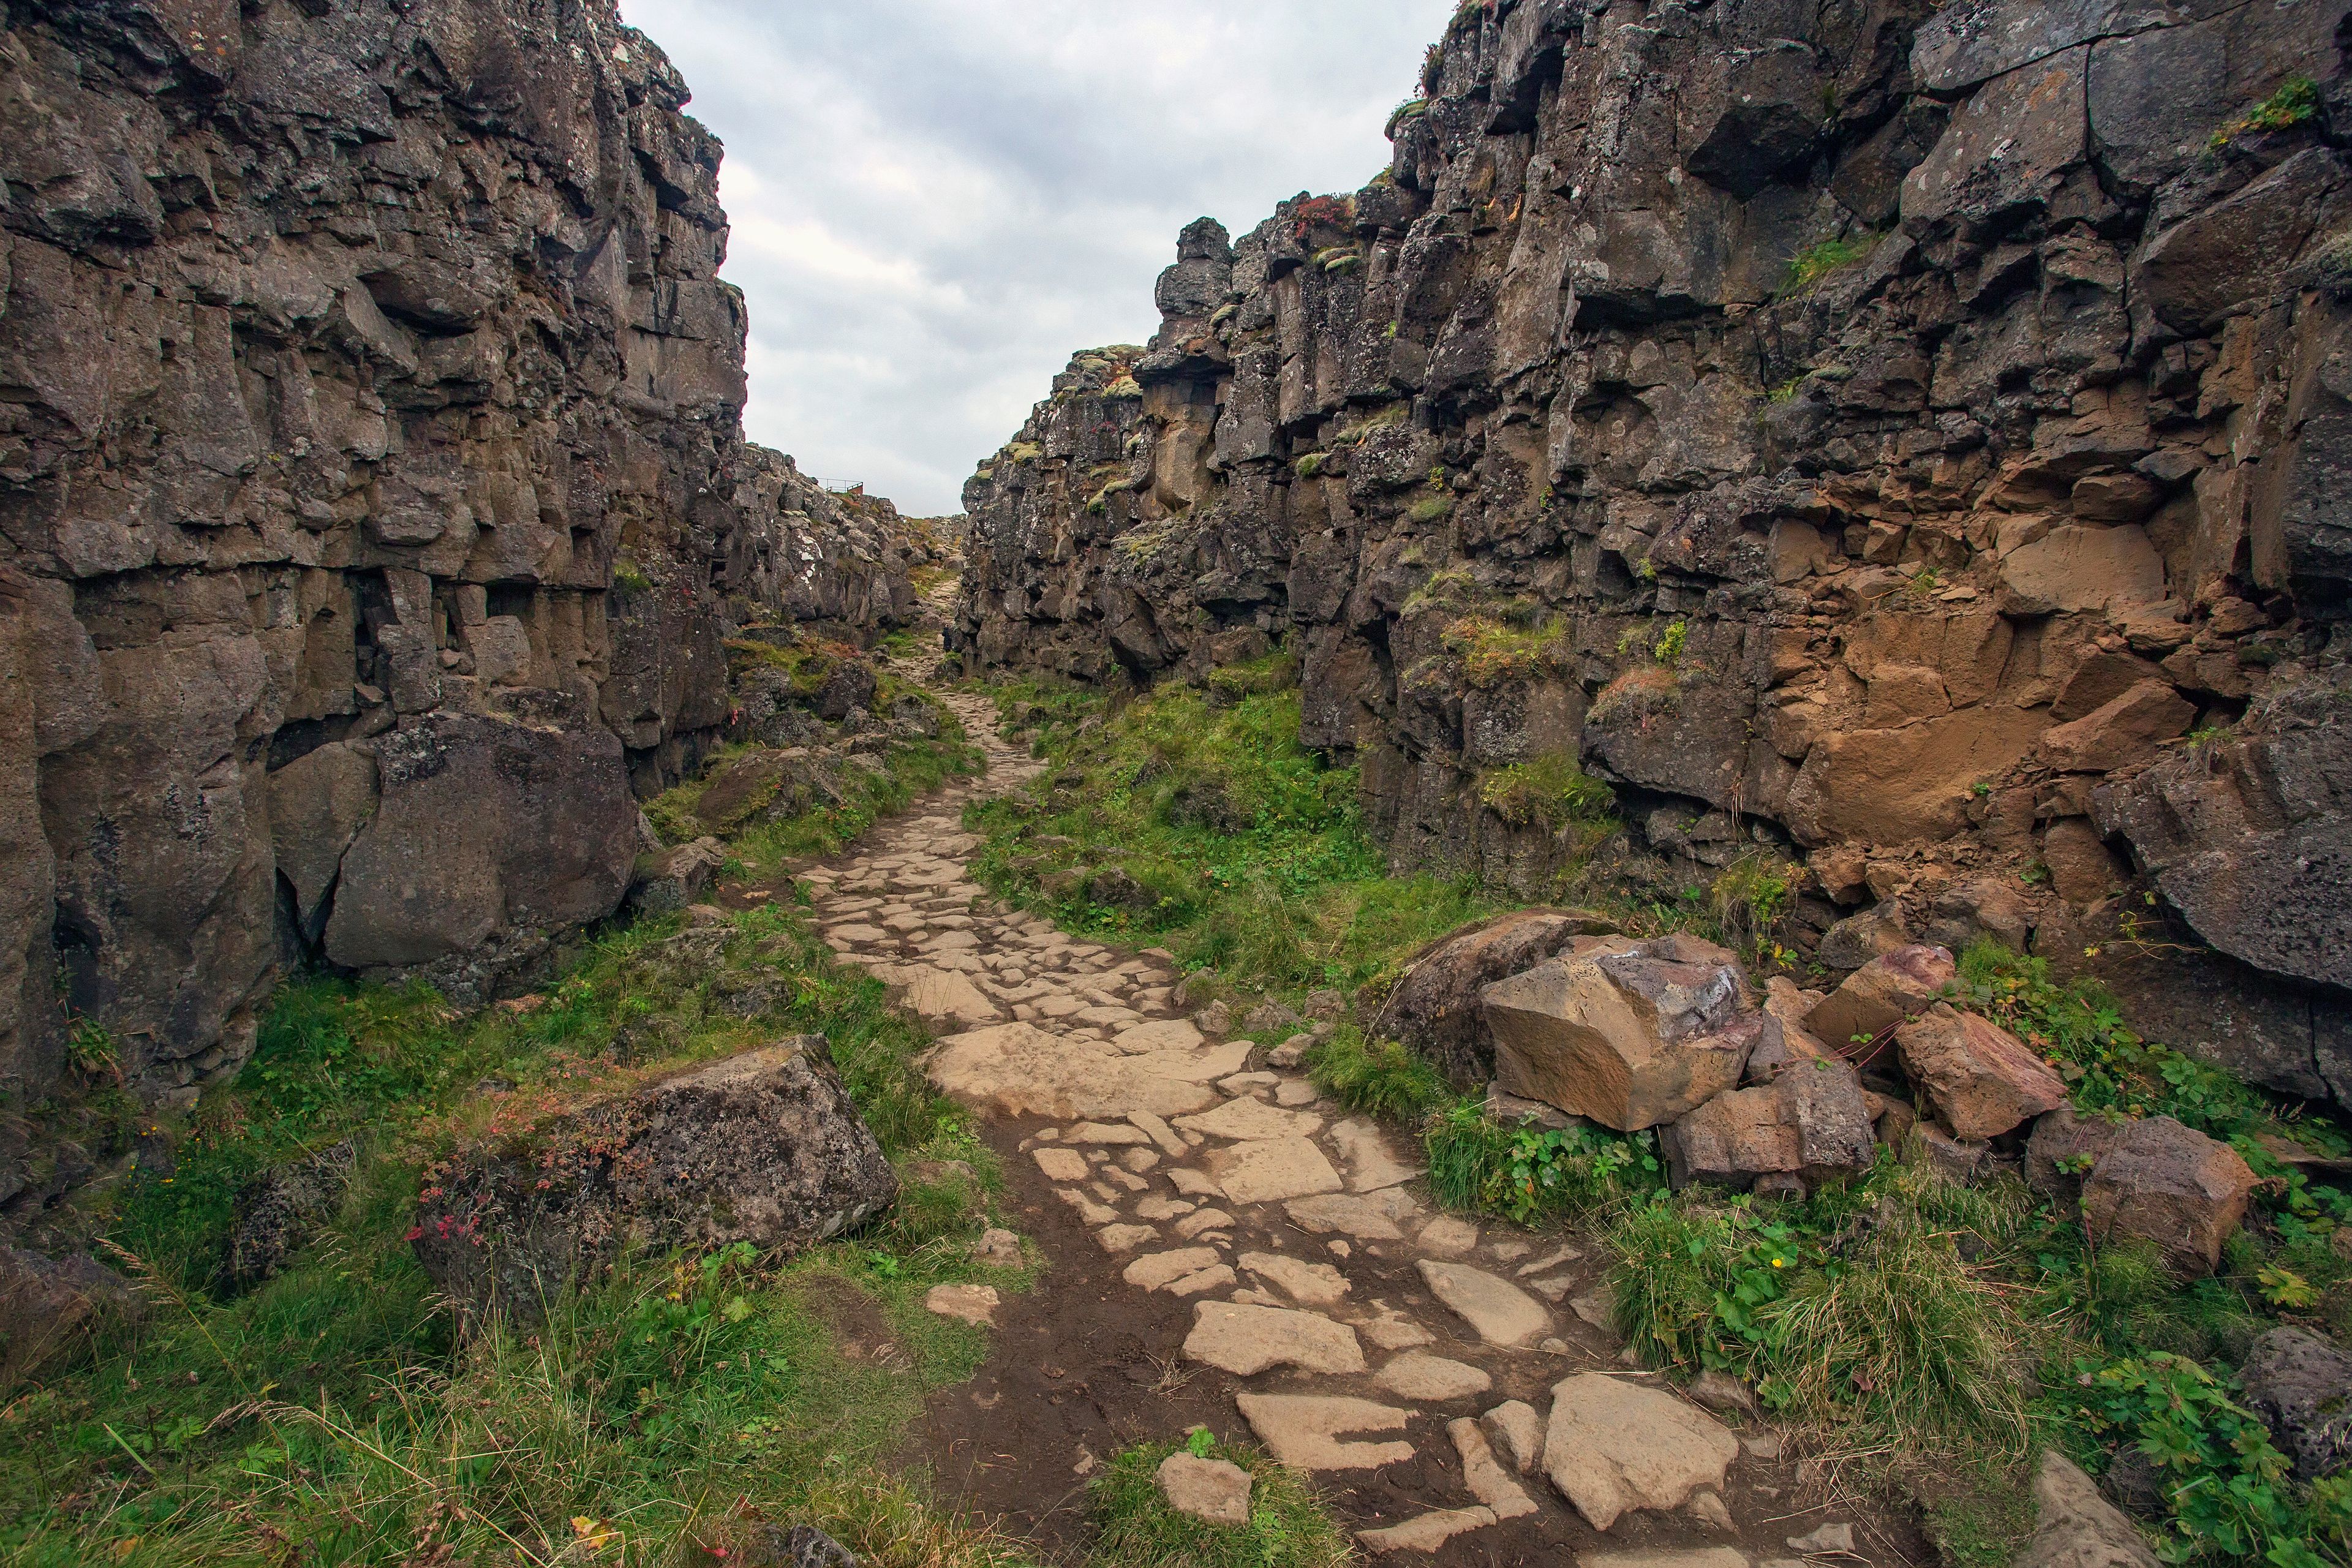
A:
1960,389
368,399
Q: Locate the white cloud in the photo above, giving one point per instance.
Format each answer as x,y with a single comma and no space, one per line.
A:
937,202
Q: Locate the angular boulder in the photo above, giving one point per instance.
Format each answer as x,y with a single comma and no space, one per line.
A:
668,880
1634,1036
2128,730
2151,1180
1811,1122
279,1211
763,1148
1979,1078
485,826
2301,1385
2074,1527
50,1306
1435,1005
1882,993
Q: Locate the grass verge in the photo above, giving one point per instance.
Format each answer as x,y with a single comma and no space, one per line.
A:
1193,819
678,1406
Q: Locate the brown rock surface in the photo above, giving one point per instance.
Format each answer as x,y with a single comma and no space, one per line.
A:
1978,1078
349,413
2152,1179
1433,1006
764,1147
1802,561
1882,993
1631,1036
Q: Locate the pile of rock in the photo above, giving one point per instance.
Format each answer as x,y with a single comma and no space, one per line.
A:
1782,1091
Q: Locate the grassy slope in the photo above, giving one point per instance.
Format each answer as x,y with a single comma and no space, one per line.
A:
674,1406
1195,821
1904,1323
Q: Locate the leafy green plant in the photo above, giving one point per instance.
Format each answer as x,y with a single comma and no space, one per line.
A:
2225,1483
1669,647
1533,1174
91,1052
2294,102
1751,894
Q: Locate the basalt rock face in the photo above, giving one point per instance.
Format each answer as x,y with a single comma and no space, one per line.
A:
1879,433
373,501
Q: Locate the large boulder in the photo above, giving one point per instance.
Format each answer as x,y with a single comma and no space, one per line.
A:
2301,1385
485,826
281,1210
2074,1527
2151,1180
1811,1123
2249,836
1979,1077
763,1148
1433,1006
50,1306
1632,1034
1883,992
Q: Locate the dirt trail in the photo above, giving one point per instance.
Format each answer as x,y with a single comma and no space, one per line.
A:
1225,1248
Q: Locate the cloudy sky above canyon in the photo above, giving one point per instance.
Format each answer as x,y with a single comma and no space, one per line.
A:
936,202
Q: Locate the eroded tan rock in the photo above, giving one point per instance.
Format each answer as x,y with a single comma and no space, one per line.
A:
1631,1038
1980,1077
1244,1340
1614,1446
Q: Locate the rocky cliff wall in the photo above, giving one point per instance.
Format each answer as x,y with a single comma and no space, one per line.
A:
1912,439
373,500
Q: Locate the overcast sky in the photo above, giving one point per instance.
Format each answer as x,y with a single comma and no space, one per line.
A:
937,202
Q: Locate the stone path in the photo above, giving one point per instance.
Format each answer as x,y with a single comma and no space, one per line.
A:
1315,1268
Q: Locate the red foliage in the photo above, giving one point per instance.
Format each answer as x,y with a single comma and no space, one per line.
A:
1334,211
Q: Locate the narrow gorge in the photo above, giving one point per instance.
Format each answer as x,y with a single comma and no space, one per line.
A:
1640,855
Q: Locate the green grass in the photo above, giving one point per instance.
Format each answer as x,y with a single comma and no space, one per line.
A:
1531,1175
1135,1528
663,1408
1192,818
1551,791
898,775
1810,266
1379,1078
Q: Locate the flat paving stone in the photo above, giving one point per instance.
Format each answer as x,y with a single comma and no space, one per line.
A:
1432,1379
1501,1312
1305,1431
1308,1284
1272,1171
1246,1341
1155,1270
971,1303
1060,1165
1426,1532
1250,1120
1614,1446
1370,1216
1116,1238
1488,1481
